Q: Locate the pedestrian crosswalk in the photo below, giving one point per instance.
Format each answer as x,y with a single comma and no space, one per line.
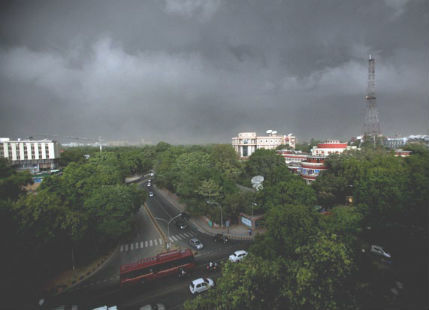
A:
154,242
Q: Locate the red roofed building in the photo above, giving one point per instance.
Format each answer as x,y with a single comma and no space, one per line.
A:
315,163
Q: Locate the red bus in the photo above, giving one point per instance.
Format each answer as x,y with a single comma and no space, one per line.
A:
158,266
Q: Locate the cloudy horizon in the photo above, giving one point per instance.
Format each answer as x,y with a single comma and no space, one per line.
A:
200,71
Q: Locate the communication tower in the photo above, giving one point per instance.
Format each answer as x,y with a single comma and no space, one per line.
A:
371,125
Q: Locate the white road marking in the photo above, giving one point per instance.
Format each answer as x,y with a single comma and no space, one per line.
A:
141,244
122,248
160,241
137,245
126,247
150,242
174,238
132,247
145,244
156,242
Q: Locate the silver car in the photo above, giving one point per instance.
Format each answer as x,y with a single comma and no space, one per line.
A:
196,243
378,250
201,285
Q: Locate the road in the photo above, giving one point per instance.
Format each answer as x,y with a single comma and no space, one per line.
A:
103,287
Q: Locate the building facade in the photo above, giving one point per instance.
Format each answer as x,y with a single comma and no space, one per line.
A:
315,163
246,143
35,155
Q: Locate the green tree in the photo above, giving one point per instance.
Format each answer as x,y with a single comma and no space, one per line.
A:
315,278
111,210
209,189
11,182
292,191
225,160
264,162
252,284
191,169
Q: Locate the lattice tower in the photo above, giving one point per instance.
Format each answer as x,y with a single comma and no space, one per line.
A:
371,125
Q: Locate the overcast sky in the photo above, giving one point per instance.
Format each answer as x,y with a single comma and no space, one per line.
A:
200,71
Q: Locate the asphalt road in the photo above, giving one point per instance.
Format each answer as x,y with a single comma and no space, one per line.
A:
103,287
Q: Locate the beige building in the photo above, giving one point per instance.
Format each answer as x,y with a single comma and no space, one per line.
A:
248,142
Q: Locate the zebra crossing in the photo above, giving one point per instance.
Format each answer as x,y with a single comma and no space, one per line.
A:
154,242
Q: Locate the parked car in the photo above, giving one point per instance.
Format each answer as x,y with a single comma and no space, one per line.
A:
237,256
221,238
196,243
181,224
150,194
378,250
201,285
153,307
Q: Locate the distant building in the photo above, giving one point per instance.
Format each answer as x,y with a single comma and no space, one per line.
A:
246,143
35,155
394,143
312,167
315,163
402,153
292,157
399,142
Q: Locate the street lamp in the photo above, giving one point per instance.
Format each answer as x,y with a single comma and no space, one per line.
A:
254,204
221,216
168,227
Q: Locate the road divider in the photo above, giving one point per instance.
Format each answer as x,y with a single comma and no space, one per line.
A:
155,223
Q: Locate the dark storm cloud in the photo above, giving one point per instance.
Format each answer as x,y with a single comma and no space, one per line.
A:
200,71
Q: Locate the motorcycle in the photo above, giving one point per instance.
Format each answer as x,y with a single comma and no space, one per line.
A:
212,266
182,274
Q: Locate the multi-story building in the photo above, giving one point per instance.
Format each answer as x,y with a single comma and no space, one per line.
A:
398,142
35,155
394,143
248,142
315,163
293,157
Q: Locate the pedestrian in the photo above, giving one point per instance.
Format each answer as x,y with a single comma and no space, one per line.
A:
250,231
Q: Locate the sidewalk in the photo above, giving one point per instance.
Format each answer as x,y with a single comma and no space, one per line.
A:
236,231
68,279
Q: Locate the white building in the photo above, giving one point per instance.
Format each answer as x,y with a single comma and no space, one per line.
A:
30,154
247,142
331,147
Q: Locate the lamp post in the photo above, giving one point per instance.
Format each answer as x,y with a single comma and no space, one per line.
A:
220,207
167,245
254,204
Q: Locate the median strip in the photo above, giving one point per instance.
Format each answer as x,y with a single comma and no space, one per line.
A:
152,218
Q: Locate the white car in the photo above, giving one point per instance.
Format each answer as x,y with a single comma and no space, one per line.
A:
196,243
237,256
150,194
378,250
201,285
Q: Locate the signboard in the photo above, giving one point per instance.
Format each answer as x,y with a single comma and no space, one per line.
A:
246,221
227,223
